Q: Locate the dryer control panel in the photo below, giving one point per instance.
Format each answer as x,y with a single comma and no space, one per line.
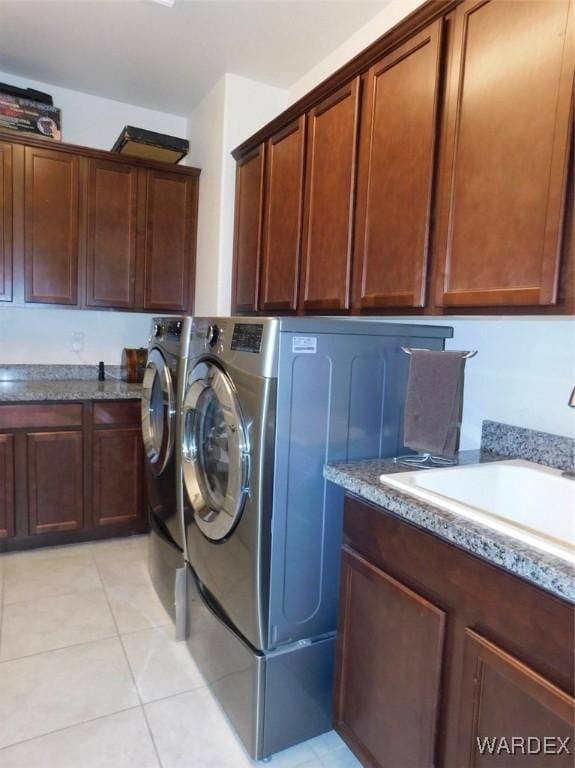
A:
247,337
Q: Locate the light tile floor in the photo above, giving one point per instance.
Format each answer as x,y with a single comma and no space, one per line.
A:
91,677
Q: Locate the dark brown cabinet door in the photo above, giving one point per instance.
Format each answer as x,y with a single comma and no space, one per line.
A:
395,174
117,476
171,211
55,483
508,709
390,653
5,222
6,486
248,230
51,226
283,218
111,248
505,148
329,202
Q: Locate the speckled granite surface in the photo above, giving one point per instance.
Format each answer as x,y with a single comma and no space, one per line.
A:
545,570
32,383
531,444
32,391
20,372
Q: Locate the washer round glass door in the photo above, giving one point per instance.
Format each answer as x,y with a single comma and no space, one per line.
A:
158,411
215,451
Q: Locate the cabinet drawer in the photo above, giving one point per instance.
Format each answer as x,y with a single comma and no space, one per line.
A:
38,416
117,412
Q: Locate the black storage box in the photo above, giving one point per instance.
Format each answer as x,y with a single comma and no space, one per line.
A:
26,93
26,116
150,145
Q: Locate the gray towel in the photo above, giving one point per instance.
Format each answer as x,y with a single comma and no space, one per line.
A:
434,402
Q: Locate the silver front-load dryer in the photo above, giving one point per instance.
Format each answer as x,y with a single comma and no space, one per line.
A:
228,420
268,402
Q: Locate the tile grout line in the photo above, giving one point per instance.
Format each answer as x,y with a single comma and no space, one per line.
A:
67,727
67,594
139,706
132,675
205,686
120,635
59,648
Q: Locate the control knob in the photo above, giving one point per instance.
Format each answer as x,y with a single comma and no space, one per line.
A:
212,335
157,330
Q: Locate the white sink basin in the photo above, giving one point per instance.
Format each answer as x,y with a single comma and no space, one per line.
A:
519,498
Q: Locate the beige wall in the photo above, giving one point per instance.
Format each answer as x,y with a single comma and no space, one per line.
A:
234,109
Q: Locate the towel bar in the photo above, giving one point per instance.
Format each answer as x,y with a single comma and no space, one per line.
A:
409,350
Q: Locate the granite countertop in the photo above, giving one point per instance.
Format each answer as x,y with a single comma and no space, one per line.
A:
68,389
545,570
33,383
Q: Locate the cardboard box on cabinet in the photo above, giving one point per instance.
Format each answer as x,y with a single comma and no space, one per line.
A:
30,117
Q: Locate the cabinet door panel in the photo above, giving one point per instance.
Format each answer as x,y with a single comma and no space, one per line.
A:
117,476
55,484
170,247
6,486
505,153
501,700
51,226
111,251
330,194
283,218
390,652
123,413
248,230
5,222
396,174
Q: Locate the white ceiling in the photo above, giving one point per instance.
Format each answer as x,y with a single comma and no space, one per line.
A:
143,52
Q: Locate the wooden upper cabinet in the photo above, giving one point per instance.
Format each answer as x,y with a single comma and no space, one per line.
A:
248,230
389,664
51,225
506,139
171,211
283,218
329,202
55,481
502,699
6,486
396,163
5,222
111,222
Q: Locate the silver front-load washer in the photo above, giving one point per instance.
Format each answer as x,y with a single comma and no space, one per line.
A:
267,402
159,432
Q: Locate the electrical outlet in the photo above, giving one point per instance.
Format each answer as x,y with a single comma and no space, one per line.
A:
77,341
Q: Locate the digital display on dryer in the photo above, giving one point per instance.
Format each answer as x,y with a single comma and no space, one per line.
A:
247,337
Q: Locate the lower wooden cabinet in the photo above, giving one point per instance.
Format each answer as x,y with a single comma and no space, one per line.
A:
70,472
55,481
389,666
445,660
116,476
6,485
510,712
